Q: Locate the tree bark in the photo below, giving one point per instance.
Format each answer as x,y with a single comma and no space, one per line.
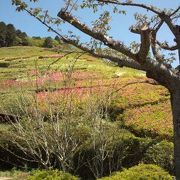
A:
175,105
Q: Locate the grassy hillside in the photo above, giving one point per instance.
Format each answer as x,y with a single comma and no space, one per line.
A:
146,106
100,101
8,53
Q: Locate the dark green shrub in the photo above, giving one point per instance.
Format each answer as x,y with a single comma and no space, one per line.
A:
161,154
10,154
51,175
141,172
110,151
4,64
103,152
48,42
137,148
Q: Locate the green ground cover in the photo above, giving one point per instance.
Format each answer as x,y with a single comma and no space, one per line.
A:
99,99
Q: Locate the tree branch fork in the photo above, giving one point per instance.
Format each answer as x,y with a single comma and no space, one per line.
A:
139,59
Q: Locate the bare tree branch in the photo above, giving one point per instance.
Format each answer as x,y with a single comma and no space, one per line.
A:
150,8
116,45
163,16
167,47
149,65
121,61
158,57
127,62
173,13
159,26
145,44
166,18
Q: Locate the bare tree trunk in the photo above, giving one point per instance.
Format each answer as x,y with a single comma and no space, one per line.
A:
175,104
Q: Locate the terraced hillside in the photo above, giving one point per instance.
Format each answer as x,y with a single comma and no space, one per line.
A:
146,106
132,107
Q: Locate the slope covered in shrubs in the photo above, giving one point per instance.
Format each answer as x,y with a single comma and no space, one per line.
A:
81,115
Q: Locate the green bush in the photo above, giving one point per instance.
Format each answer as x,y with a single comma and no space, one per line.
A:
100,151
51,175
141,172
136,149
161,154
109,151
48,42
104,152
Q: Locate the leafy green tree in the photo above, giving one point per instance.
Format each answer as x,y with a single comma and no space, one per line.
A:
57,38
23,37
2,34
10,35
48,42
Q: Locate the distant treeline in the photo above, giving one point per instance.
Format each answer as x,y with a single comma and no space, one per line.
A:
10,36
